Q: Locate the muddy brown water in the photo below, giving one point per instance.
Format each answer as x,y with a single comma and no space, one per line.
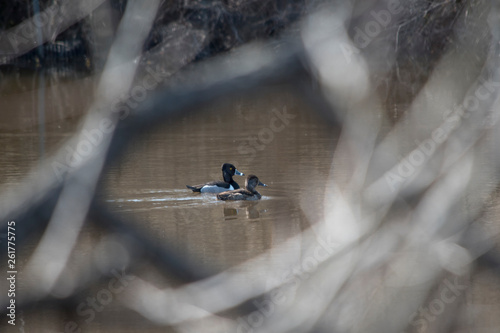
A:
273,135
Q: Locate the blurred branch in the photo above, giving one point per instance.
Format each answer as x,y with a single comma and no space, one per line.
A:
52,253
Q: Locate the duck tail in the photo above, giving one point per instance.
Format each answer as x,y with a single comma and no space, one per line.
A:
194,188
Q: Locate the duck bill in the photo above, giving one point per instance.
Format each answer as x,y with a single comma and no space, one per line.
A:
236,172
262,184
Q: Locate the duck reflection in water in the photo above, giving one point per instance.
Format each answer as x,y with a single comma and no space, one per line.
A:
251,211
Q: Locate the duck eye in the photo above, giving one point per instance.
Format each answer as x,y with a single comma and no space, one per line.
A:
231,169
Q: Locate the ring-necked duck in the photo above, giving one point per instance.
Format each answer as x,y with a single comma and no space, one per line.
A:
248,193
228,184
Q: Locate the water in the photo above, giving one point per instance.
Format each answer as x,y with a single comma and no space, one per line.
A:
147,185
273,135
292,157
